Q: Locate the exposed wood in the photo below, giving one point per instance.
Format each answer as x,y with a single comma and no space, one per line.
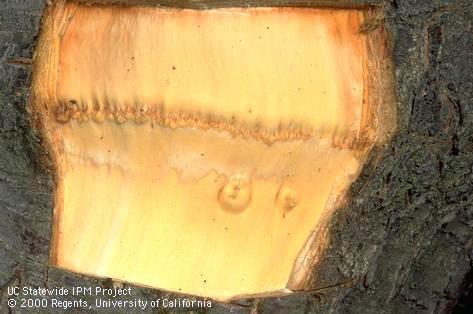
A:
177,132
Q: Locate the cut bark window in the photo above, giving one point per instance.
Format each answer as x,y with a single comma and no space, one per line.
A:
204,151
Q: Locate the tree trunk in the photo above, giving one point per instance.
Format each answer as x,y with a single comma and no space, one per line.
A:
404,242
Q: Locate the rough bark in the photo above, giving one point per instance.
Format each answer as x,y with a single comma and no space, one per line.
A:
403,243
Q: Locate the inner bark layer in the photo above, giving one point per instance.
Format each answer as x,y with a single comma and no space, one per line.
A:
203,151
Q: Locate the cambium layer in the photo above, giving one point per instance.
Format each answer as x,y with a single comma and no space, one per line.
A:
204,151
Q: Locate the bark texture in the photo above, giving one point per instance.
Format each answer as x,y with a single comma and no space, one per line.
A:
403,244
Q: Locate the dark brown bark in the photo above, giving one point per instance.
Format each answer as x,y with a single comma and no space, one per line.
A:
404,243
